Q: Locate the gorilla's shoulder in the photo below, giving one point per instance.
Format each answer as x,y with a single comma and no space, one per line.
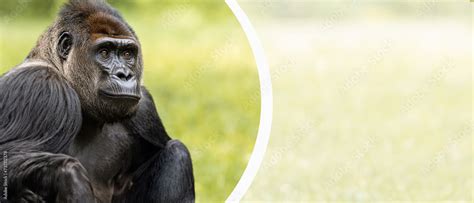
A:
36,80
35,70
36,101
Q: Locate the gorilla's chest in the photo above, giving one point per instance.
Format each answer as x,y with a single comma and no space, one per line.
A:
105,154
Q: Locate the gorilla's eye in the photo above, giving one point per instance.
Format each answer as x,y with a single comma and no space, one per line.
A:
104,53
127,55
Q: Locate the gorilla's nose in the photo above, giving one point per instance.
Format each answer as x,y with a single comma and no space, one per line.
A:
122,74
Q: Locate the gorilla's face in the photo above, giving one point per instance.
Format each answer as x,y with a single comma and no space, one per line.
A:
117,88
116,58
106,72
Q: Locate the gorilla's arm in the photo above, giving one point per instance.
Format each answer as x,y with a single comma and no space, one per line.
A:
39,116
163,170
46,177
146,122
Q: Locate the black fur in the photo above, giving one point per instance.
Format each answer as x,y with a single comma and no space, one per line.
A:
164,167
56,149
38,111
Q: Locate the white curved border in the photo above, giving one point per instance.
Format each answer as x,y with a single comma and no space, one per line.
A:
266,105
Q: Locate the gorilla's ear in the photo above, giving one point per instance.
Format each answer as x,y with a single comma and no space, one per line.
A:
64,45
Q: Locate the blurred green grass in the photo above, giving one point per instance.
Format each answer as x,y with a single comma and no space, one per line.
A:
201,74
367,109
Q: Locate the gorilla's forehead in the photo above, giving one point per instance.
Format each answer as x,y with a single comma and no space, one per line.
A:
103,24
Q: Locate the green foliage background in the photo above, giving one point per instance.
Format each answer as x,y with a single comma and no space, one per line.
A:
198,67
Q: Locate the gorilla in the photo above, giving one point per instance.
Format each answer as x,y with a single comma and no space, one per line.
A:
76,125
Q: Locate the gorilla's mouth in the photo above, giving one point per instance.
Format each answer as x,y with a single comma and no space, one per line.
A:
120,95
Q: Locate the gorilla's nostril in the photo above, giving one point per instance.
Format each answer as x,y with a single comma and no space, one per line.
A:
130,76
123,75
